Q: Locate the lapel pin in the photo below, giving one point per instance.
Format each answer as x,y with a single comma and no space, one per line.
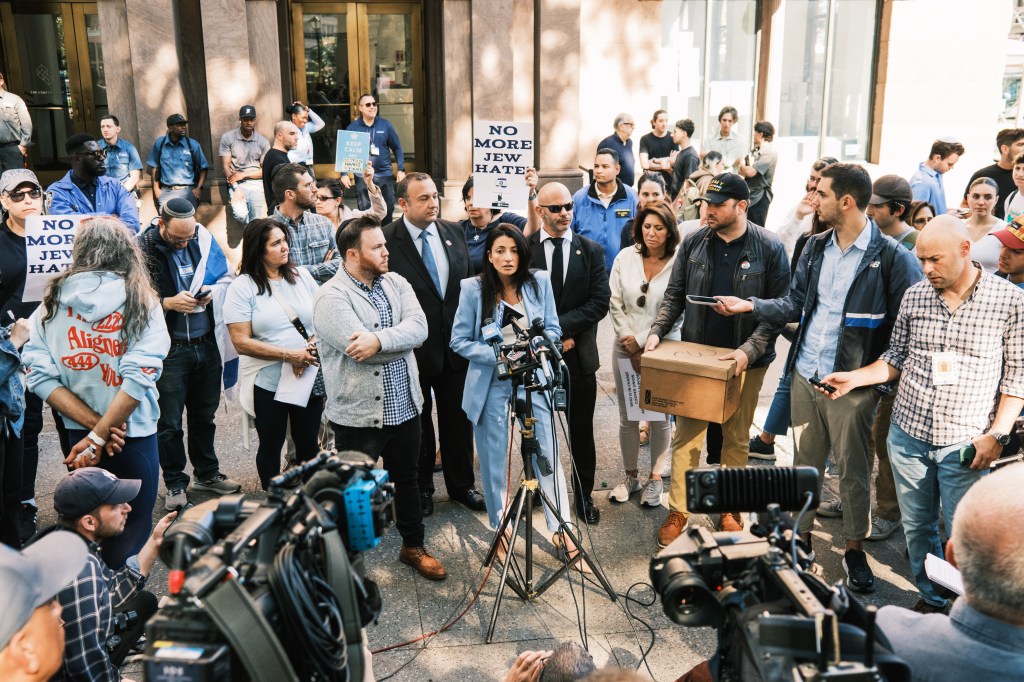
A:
578,252
448,242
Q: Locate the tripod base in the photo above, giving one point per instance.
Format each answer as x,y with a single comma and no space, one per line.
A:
520,580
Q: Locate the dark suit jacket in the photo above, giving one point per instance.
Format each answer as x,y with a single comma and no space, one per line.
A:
404,258
584,299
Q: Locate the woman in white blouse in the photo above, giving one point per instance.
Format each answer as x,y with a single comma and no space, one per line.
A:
638,281
306,120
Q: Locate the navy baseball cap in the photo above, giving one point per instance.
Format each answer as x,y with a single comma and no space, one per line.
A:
724,187
32,577
248,111
175,118
87,488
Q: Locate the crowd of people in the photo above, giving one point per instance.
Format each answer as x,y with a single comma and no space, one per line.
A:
352,329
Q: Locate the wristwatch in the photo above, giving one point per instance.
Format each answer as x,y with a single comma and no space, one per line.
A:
1001,438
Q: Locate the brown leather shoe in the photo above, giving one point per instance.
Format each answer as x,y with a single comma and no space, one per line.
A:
426,565
730,523
671,529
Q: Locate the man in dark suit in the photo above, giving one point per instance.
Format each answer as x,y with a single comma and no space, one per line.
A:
432,255
580,285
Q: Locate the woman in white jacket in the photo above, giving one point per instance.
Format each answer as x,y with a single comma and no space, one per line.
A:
638,281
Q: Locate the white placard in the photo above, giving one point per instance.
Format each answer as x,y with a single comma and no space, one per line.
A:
631,390
49,240
502,151
295,390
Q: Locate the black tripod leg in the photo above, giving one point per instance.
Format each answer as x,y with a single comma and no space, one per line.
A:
517,503
503,581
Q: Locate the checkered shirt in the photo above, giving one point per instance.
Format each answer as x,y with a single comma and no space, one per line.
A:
89,603
312,236
398,403
987,335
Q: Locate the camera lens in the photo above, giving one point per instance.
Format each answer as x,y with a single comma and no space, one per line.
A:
686,598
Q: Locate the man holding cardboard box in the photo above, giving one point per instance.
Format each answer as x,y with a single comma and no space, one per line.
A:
846,294
729,257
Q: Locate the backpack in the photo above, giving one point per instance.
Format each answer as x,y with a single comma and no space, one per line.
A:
693,187
189,142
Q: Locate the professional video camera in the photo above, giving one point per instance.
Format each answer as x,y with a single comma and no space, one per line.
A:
776,620
273,590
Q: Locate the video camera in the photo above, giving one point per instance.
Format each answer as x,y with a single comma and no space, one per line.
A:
776,620
274,590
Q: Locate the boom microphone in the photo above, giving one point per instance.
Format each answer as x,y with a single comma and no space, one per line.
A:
751,489
490,334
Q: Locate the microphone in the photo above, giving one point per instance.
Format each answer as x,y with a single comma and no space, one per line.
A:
490,334
538,330
540,348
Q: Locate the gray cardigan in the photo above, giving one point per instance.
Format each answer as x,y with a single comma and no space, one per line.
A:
355,390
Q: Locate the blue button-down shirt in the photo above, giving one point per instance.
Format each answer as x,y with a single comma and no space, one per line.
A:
817,356
176,160
926,184
122,159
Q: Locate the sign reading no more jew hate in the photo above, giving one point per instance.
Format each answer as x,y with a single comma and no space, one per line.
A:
502,151
49,240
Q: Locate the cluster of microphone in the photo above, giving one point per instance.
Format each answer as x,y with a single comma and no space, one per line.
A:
533,341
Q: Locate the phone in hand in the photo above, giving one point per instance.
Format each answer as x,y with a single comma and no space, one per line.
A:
702,300
204,292
967,454
828,388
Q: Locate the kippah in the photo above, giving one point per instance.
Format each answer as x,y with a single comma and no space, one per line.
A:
178,208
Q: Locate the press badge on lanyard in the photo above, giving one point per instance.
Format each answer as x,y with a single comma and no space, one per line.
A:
945,369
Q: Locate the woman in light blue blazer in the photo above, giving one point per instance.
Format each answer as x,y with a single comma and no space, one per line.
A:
506,278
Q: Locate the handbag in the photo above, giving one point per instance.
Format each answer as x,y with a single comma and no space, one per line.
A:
319,390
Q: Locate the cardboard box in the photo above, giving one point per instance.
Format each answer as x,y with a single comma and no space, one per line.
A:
688,379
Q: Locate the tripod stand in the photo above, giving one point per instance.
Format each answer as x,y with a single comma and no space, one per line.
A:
522,582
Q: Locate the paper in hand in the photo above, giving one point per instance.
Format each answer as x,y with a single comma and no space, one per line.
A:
944,573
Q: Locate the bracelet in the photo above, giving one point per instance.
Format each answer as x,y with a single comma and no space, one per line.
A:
96,439
533,197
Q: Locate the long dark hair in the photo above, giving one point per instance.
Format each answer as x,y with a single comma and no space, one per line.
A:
255,236
490,283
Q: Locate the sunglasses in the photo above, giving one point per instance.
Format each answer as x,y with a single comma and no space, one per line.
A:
369,104
642,301
558,208
98,154
320,197
18,197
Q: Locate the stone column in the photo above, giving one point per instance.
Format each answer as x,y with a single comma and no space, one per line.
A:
558,92
458,67
117,64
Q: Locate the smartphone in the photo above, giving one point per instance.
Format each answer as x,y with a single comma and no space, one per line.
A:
967,454
828,388
702,300
205,292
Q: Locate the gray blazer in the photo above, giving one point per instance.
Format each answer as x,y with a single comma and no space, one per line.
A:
355,389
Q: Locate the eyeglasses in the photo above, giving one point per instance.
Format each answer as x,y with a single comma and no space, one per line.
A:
642,301
18,197
369,104
182,242
98,154
558,208
627,123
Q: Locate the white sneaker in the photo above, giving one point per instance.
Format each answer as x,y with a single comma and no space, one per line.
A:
622,491
882,528
652,493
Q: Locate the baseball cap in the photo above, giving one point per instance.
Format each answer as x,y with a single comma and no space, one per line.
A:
17,176
178,207
890,188
1013,236
248,111
84,489
175,118
32,577
726,186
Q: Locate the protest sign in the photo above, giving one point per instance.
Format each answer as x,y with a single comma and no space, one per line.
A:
352,152
48,243
631,391
502,151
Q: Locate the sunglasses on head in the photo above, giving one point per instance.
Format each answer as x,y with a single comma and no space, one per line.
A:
642,301
558,208
18,197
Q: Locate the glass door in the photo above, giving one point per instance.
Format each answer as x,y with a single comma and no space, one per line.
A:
54,60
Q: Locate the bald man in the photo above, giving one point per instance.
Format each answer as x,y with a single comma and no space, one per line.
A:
286,138
958,349
983,637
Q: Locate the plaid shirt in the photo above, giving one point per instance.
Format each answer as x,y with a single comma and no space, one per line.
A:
89,603
312,236
986,333
398,403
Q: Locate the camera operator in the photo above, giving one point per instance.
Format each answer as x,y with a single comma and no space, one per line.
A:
983,638
958,344
94,503
31,638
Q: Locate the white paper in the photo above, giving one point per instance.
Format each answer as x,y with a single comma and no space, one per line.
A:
502,151
295,390
944,573
49,240
631,390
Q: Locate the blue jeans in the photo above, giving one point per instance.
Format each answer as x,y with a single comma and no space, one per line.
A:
777,421
387,186
926,475
255,205
186,194
190,380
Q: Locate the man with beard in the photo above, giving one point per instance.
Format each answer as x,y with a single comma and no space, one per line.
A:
86,189
369,320
286,138
731,257
312,235
846,294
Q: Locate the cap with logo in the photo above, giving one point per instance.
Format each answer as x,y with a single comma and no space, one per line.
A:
248,111
1013,236
32,577
81,491
724,187
17,176
890,188
175,119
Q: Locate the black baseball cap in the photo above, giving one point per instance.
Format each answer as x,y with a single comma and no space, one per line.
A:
87,488
724,187
248,111
175,119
